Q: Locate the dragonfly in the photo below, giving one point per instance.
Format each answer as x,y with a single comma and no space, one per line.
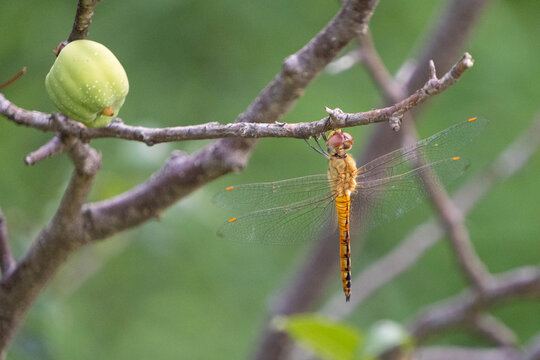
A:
294,210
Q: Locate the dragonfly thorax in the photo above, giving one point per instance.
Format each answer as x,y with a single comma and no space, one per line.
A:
342,174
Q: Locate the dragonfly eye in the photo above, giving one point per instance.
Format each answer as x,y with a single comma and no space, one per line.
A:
335,139
348,141
339,140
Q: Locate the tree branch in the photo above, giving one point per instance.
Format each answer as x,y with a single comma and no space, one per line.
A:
150,136
443,44
521,283
83,19
449,214
452,220
508,162
456,27
63,235
181,174
7,263
112,217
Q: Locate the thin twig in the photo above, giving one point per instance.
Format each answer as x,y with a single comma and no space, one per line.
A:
52,147
14,78
443,44
7,263
83,19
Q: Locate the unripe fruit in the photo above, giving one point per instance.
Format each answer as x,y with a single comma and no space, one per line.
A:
87,83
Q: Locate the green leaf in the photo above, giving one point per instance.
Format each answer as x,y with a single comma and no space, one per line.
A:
327,338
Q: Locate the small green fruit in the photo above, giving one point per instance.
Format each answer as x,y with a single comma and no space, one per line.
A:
87,83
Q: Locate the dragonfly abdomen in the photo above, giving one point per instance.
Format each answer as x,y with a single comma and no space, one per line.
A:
343,208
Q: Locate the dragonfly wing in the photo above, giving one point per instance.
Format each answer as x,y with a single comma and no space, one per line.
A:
436,147
288,224
381,200
249,197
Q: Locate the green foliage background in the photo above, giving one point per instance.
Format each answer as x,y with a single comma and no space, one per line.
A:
171,288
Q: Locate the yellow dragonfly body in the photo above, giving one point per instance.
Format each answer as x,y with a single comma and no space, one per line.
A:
298,209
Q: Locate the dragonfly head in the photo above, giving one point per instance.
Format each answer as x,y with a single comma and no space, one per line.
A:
338,142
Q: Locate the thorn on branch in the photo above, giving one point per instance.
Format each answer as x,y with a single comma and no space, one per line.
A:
395,123
14,78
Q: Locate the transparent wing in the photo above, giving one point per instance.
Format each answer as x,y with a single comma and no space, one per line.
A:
292,223
293,210
268,195
436,147
379,201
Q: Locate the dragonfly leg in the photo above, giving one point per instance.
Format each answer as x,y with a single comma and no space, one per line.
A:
319,150
319,144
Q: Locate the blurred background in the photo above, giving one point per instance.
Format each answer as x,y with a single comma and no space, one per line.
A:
172,288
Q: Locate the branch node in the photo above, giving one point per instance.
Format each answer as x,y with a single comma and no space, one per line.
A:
467,60
147,139
115,122
395,123
291,66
